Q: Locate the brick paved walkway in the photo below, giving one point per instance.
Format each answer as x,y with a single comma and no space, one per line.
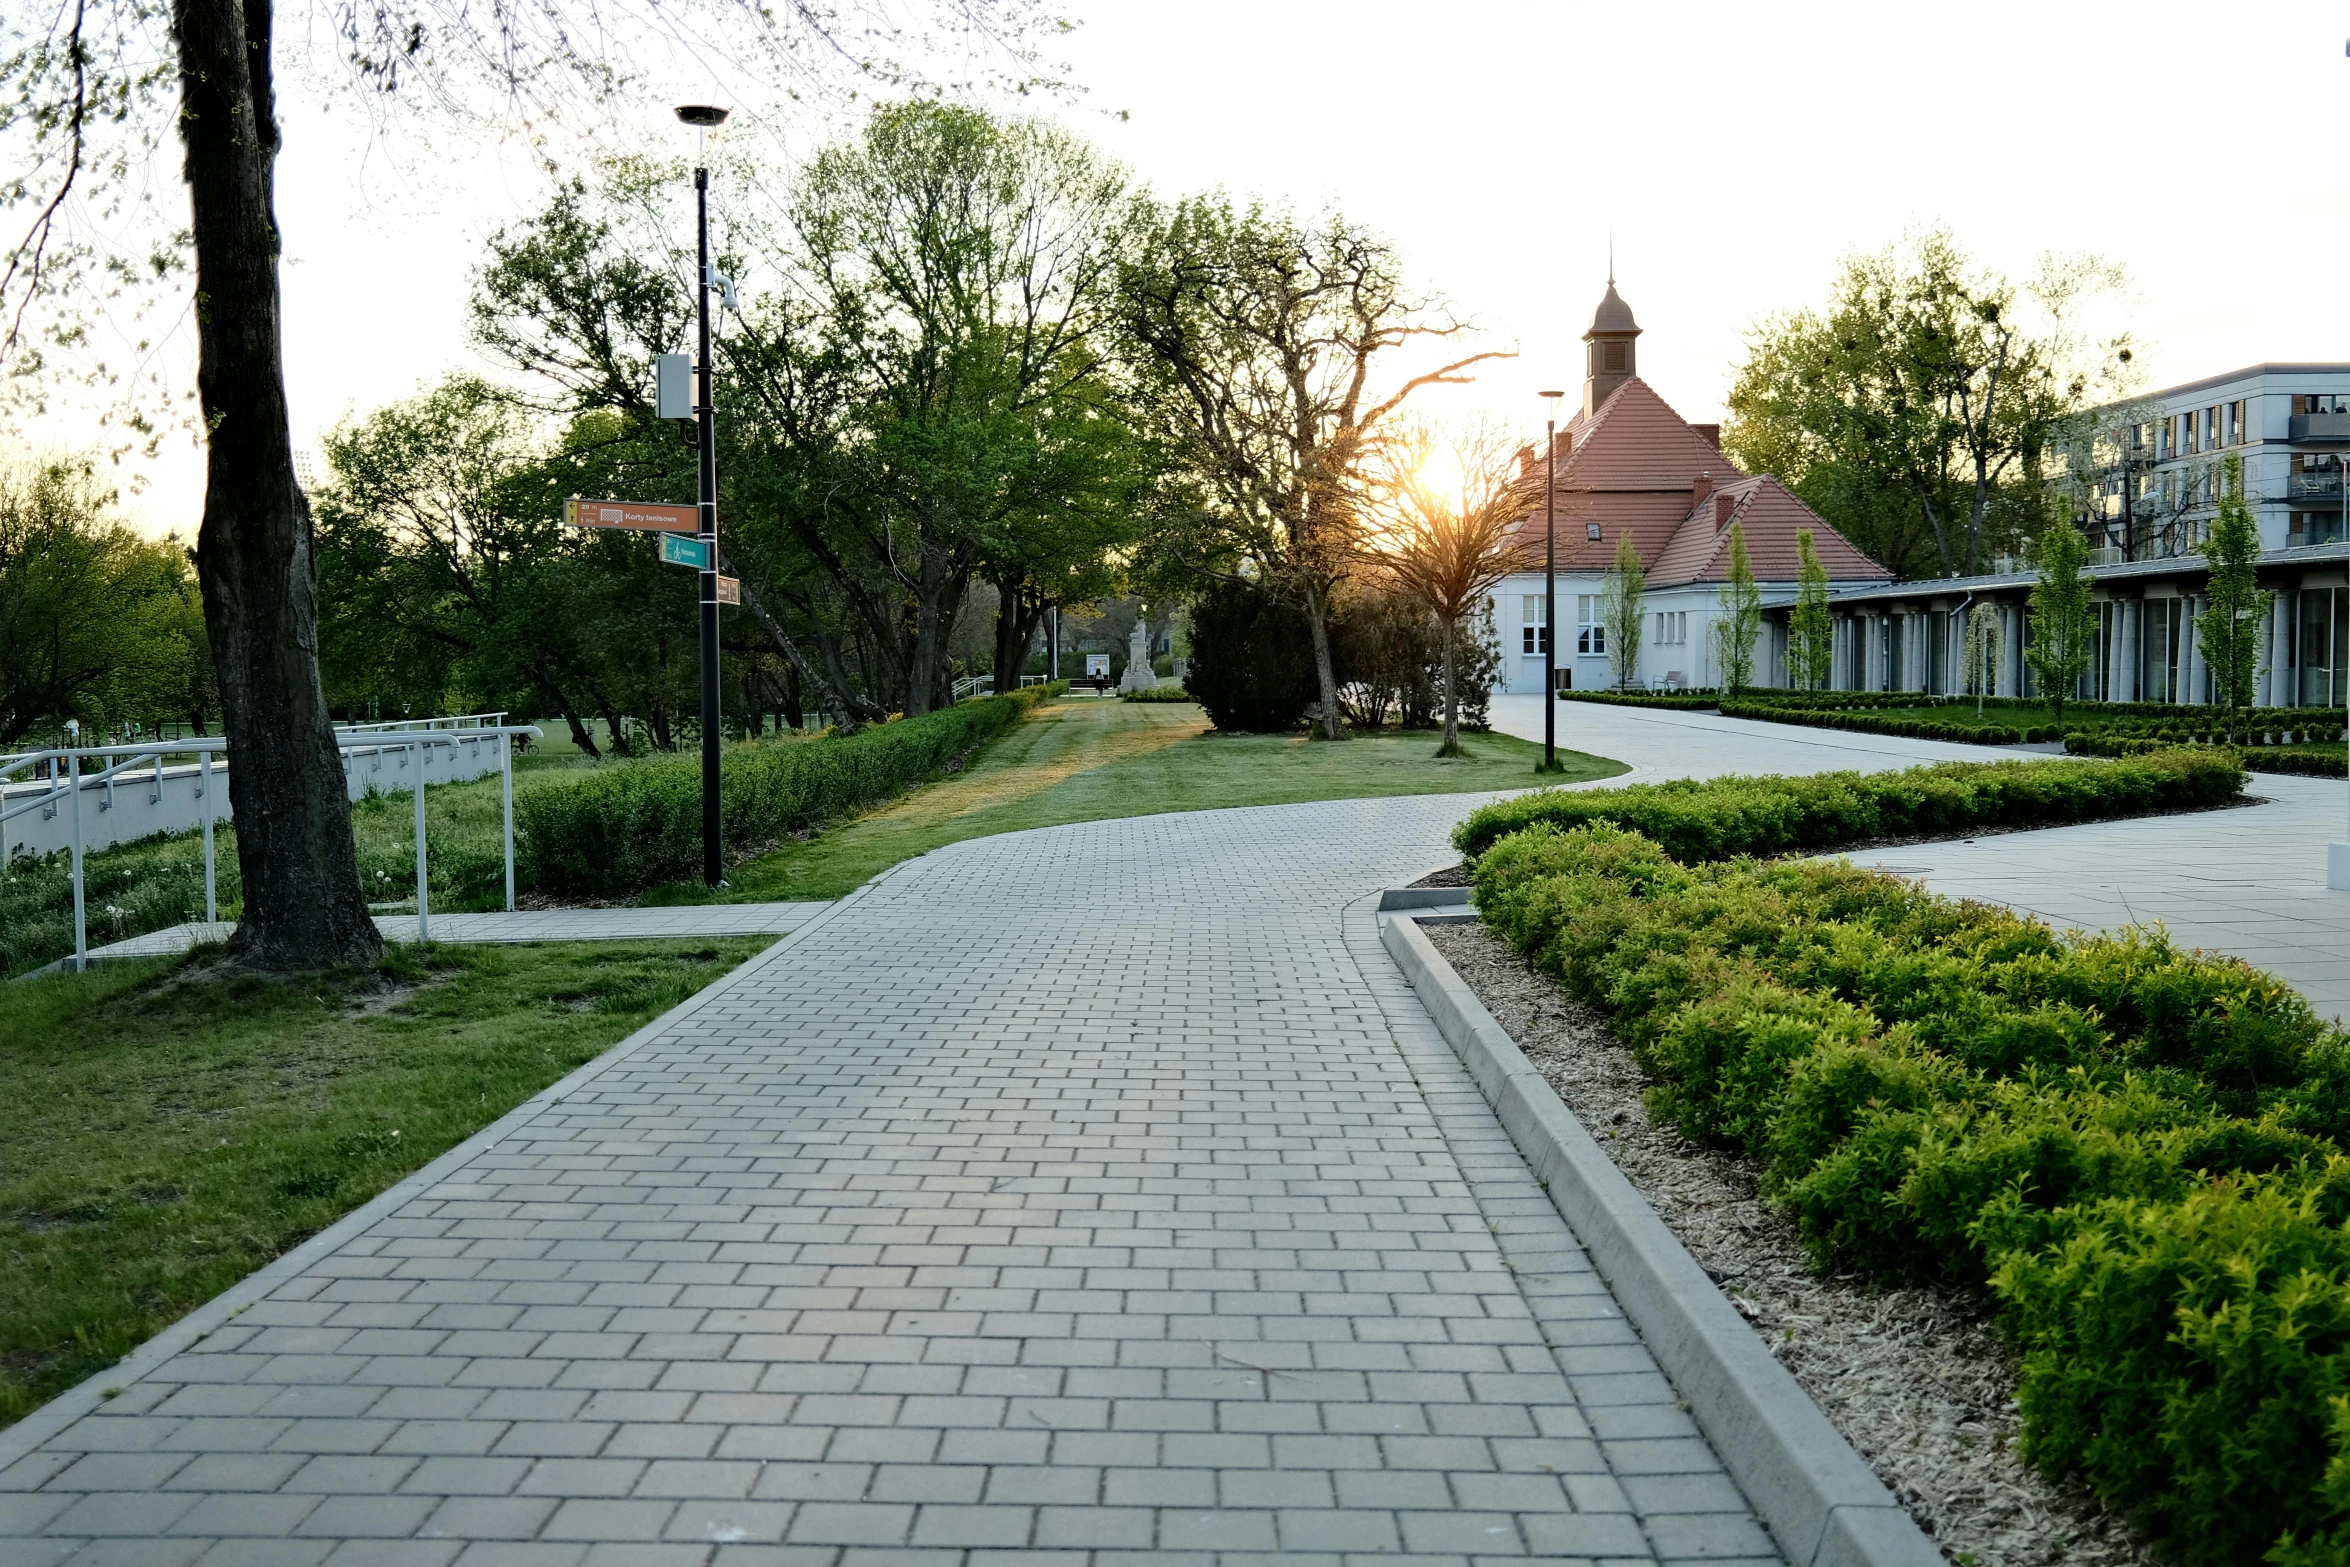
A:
1094,1192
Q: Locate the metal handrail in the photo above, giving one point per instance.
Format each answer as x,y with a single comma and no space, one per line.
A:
355,741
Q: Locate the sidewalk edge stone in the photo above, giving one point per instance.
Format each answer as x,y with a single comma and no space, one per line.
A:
1822,1502
36,1428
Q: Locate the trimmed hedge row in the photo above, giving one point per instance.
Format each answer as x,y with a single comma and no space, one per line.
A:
1773,711
2331,762
633,826
1677,701
1159,694
2136,1149
1728,817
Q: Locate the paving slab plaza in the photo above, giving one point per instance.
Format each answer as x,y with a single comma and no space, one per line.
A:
2248,881
1094,1192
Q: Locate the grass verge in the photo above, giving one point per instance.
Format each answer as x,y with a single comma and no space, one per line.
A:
164,1132
1082,760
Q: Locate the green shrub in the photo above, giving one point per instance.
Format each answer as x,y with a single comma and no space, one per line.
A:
627,827
2136,1149
1694,700
1159,693
1696,822
1252,658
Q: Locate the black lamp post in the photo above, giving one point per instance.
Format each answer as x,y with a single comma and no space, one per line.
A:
706,118
1550,585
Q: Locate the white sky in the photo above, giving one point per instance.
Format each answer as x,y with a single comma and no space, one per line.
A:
1736,151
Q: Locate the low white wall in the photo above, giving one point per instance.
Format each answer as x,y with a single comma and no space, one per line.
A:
138,804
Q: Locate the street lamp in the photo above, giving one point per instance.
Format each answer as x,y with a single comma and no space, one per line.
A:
706,117
1550,584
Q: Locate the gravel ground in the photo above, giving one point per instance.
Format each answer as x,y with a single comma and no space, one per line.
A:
1916,1379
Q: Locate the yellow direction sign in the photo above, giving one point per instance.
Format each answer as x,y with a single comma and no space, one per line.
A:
645,516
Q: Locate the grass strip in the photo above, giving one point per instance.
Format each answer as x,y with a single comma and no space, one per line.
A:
1090,759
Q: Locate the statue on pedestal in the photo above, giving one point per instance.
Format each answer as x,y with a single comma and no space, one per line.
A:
1138,676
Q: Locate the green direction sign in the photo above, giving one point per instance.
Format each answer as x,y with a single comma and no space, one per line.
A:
678,550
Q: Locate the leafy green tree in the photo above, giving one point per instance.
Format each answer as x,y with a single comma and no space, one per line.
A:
1620,597
1252,339
2063,618
1916,413
1740,625
1985,658
2235,607
1811,630
96,623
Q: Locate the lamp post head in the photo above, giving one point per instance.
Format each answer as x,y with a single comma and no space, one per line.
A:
706,116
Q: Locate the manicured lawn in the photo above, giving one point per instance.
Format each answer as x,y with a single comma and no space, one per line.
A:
164,1132
1085,759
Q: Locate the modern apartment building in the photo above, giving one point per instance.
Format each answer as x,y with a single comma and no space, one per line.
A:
2150,483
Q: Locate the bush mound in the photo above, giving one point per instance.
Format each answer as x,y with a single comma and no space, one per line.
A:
1727,817
2136,1150
1160,693
627,827
1252,658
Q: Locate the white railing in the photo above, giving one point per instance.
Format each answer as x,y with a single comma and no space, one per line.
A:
973,685
61,768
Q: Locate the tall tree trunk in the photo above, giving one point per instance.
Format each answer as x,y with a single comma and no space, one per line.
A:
303,905
1016,619
1452,700
1325,676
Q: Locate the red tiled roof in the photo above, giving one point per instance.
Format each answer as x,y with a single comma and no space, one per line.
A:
1633,469
1770,516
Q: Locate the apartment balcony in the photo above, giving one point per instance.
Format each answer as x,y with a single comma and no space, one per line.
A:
2315,489
2321,427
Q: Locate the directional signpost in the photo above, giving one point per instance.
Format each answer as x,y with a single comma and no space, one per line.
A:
643,516
678,550
730,590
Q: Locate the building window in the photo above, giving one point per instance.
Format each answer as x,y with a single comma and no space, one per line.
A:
1534,625
1672,627
1590,630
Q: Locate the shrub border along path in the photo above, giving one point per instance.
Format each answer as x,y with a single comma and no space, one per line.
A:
1824,1505
1725,1041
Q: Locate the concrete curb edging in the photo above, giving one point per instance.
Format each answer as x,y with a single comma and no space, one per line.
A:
27,1435
1823,1504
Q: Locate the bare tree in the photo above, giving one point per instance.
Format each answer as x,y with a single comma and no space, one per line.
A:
1445,517
88,87
1253,339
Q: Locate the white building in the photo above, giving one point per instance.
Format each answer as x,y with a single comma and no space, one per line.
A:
1628,465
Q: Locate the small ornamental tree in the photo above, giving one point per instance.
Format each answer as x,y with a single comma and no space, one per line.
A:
1810,630
1620,612
2064,621
1986,653
1741,622
2228,630
1448,542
